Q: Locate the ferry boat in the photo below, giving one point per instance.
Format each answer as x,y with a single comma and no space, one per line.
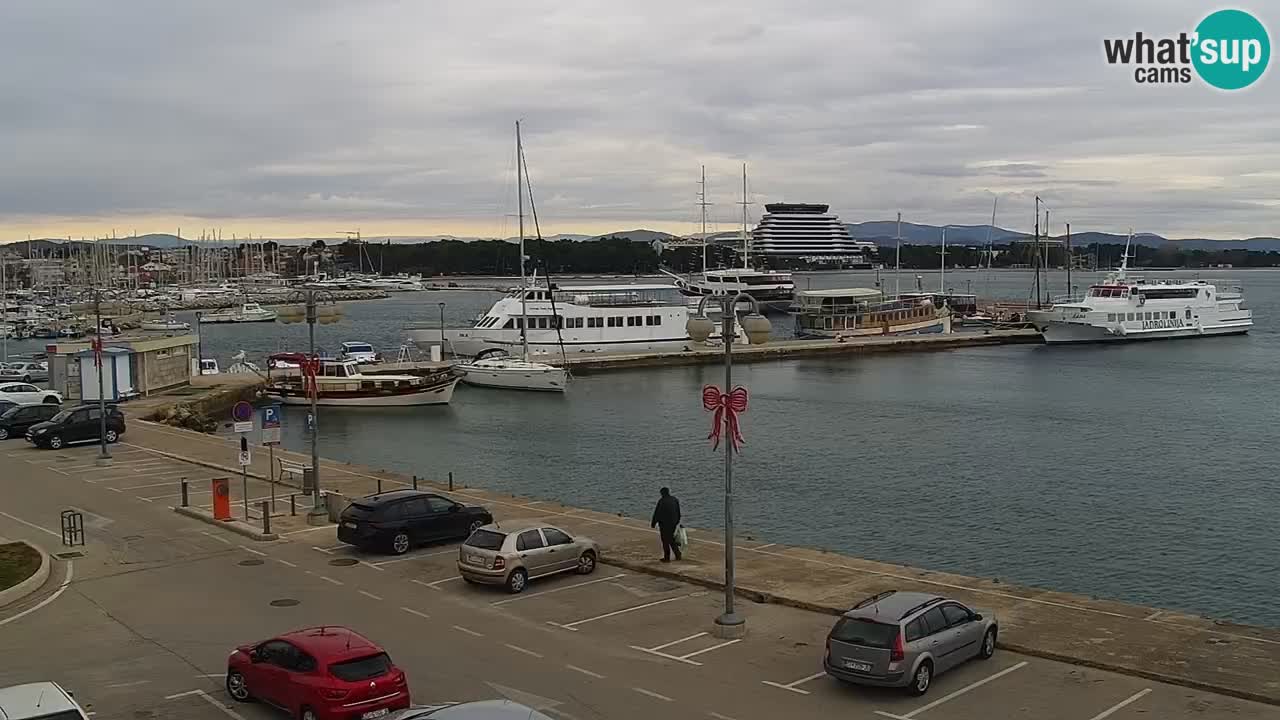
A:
246,313
340,383
1122,308
860,312
585,319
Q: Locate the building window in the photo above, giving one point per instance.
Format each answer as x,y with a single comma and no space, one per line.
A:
1111,317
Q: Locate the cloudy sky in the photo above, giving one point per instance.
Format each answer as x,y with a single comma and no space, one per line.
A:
304,118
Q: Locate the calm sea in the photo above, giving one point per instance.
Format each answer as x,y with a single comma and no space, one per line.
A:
1143,472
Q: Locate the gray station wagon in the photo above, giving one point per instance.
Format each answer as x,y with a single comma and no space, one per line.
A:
513,556
904,639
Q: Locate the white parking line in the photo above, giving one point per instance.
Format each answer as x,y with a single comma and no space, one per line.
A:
128,684
574,625
468,631
794,686
677,642
718,716
219,538
175,696
531,596
170,483
149,498
323,550
717,646
411,611
246,548
415,557
588,673
32,525
519,649
1112,710
368,594
231,713
328,579
435,585
653,694
285,562
953,695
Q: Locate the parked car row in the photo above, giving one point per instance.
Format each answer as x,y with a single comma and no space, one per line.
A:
24,371
53,426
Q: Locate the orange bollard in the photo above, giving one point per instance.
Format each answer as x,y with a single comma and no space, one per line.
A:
221,499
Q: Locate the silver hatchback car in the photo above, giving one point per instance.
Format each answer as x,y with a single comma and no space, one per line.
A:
494,555
904,639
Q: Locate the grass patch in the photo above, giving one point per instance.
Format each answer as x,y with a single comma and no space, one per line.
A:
18,561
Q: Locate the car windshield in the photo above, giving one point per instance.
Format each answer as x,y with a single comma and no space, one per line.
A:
363,668
60,417
486,539
867,633
360,348
8,412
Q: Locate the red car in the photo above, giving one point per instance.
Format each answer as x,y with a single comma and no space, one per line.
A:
320,673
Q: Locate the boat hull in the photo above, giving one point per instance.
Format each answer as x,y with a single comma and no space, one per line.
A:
464,343
436,395
551,379
218,320
1061,333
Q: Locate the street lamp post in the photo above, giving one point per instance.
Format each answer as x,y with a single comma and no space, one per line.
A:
103,455
441,330
729,624
311,312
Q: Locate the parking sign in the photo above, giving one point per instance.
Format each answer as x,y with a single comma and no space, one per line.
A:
271,425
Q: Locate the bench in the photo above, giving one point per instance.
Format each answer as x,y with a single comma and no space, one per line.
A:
291,469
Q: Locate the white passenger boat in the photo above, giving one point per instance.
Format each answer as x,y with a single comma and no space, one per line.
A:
340,383
246,313
165,323
1123,308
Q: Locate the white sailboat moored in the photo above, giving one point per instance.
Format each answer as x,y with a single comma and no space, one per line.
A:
498,370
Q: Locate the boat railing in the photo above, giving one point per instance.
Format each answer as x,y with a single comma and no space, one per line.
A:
1067,299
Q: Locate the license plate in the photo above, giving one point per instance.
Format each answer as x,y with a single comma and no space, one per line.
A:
475,560
351,525
375,714
859,666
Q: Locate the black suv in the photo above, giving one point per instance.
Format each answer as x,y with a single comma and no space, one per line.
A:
400,519
15,420
77,424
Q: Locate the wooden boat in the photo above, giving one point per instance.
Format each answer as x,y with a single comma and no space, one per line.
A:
340,383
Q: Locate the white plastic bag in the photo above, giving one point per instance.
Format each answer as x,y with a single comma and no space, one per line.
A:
682,537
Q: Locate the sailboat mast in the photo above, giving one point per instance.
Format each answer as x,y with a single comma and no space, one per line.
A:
1035,252
702,202
942,276
524,303
1070,261
897,270
746,251
990,253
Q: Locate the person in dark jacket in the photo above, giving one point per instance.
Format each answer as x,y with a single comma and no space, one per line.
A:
666,516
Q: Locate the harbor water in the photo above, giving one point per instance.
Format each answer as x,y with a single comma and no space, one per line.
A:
1143,472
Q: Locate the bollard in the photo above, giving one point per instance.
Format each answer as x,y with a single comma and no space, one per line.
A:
450,479
266,518
379,486
415,482
293,504
184,492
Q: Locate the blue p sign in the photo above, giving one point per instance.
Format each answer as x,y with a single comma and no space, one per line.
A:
270,416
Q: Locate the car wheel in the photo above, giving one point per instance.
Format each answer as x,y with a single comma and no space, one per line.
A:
26,378
517,581
586,563
400,543
923,678
307,714
237,688
4,433
988,645
112,436
51,400
55,442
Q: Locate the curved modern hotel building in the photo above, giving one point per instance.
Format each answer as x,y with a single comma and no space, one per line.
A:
809,233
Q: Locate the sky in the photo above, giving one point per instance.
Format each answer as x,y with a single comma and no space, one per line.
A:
309,117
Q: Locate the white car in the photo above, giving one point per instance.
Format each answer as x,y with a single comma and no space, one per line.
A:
360,352
39,701
24,371
24,393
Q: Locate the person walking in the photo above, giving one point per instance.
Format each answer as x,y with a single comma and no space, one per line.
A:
666,517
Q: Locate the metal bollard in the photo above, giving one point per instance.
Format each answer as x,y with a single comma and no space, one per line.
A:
184,492
415,482
293,504
450,479
379,485
266,518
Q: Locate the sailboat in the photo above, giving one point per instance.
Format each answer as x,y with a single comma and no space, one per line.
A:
771,288
497,369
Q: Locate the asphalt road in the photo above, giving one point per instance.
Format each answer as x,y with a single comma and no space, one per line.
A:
141,623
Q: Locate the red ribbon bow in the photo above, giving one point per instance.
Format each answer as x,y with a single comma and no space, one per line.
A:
726,407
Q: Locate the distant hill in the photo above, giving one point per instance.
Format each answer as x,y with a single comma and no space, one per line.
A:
647,236
882,232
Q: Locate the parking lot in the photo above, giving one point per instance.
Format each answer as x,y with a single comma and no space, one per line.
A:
643,641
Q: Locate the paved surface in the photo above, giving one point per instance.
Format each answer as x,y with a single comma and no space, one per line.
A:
140,624
1144,641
